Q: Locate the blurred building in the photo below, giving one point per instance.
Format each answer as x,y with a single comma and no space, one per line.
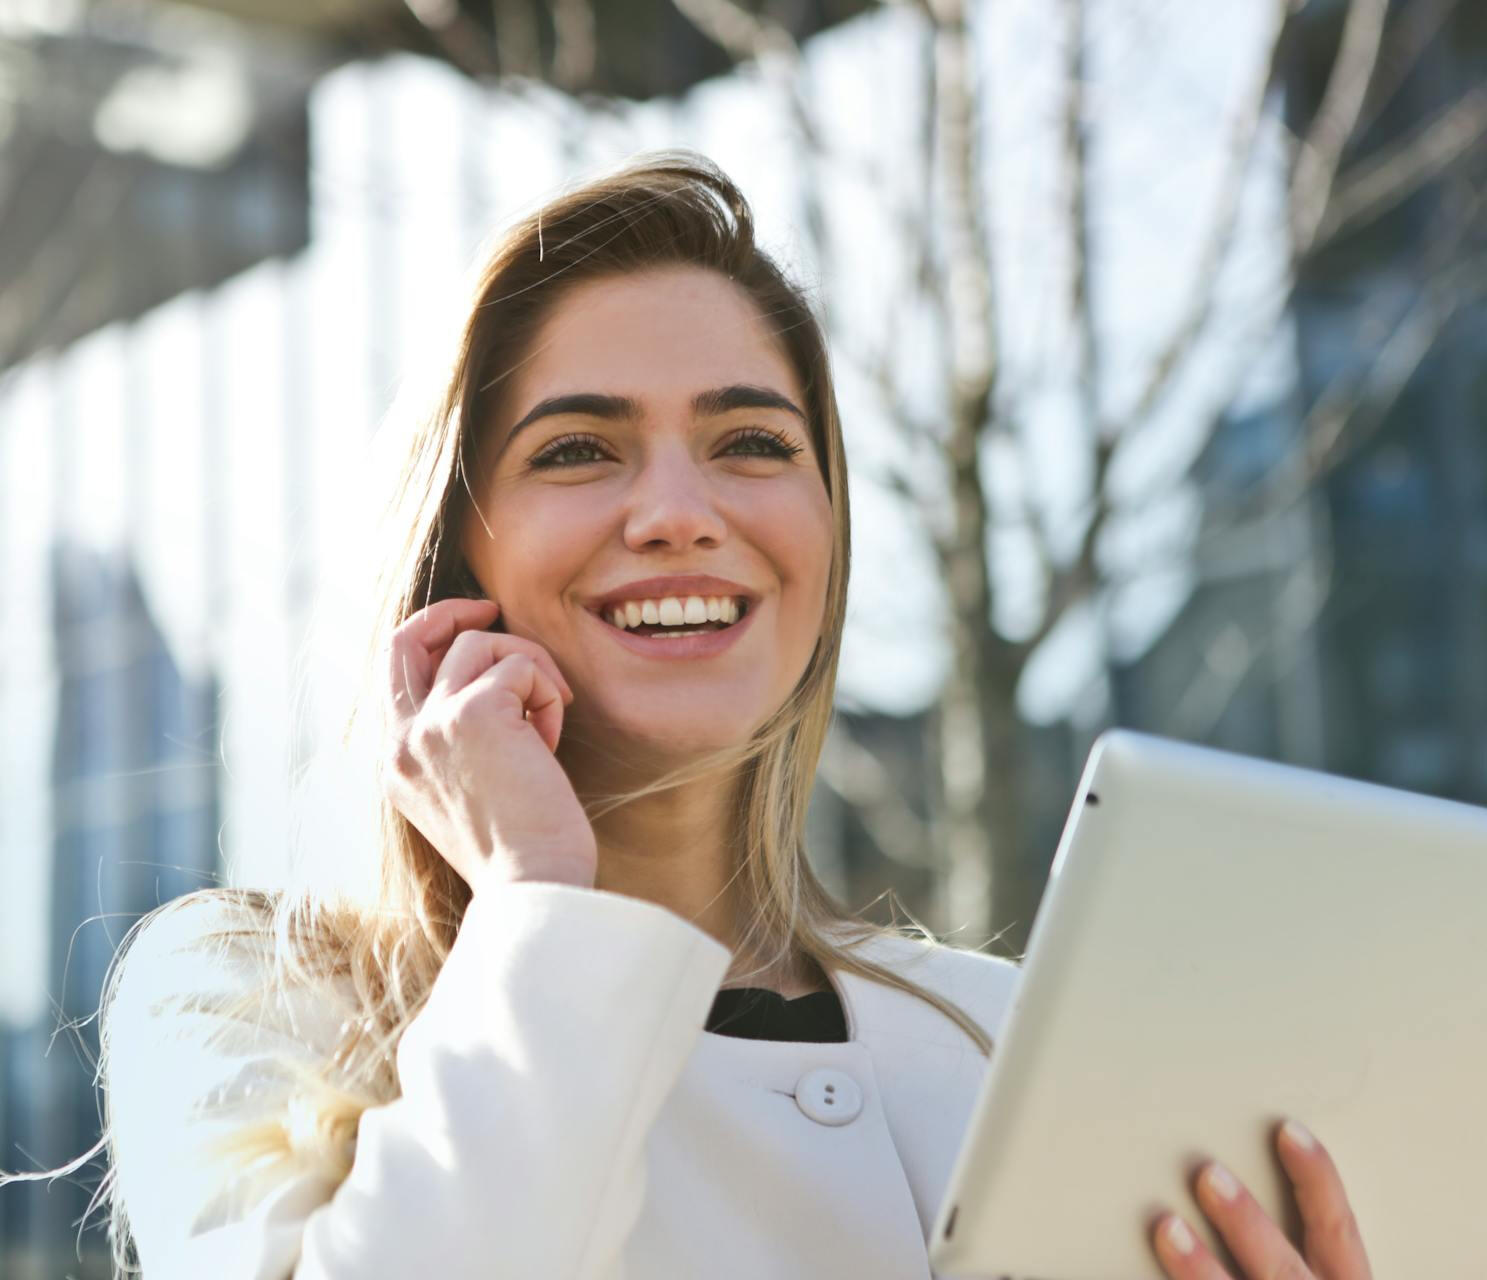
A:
1406,622
1342,628
134,790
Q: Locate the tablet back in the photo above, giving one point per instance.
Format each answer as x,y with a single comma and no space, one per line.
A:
1225,942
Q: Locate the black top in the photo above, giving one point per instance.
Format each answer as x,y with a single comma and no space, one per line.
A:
755,1013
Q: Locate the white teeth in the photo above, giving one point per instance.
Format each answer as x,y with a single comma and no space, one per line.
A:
674,611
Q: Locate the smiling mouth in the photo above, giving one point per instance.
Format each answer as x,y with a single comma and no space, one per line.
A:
653,630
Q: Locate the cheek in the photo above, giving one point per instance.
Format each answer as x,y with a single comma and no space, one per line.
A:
798,533
537,547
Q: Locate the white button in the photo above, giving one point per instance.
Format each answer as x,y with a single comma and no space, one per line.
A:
828,1096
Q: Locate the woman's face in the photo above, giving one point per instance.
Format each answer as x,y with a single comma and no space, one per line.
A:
687,454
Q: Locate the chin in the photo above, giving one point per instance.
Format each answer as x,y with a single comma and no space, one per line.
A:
660,739
679,742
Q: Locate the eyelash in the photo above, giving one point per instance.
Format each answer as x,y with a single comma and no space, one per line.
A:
778,445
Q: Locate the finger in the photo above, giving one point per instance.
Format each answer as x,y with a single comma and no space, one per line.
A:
410,652
533,648
438,623
472,653
1183,1256
438,653
535,695
1333,1244
1259,1246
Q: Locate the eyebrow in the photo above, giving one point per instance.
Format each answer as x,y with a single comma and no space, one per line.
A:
627,409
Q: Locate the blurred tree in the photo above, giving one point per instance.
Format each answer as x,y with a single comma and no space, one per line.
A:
1351,164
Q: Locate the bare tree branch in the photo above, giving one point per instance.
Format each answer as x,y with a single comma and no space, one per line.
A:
1362,411
977,823
1028,518
1076,163
858,776
517,42
893,480
1232,654
1194,314
1348,413
1311,190
1386,180
1410,33
1444,284
740,34
1336,119
1067,584
746,36
968,266
577,48
919,6
877,368
1345,415
459,38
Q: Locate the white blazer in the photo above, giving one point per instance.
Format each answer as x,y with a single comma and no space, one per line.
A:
565,1116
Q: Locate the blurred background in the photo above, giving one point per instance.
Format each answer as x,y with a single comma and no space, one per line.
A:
1160,332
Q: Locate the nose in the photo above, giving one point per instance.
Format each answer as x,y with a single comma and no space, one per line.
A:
672,504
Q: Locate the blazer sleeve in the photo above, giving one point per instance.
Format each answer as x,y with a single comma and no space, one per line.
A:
555,1030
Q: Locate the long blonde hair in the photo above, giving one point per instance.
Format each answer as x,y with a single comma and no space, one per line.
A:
662,209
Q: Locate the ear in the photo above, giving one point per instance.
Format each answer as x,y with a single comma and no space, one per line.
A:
466,585
465,582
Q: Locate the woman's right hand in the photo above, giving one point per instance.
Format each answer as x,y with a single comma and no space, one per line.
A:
474,723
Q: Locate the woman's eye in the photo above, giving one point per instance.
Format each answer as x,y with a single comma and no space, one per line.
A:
576,451
773,445
560,452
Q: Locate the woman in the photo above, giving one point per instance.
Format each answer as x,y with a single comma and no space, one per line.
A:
609,638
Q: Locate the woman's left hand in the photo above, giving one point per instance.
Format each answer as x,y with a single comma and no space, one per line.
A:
1331,1246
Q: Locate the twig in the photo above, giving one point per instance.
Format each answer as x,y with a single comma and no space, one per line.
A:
1194,315
1362,412
1347,413
577,48
859,777
1386,180
1406,40
1230,656
1336,119
467,47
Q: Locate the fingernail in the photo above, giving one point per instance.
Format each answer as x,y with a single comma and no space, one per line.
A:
1298,1134
1221,1182
1178,1235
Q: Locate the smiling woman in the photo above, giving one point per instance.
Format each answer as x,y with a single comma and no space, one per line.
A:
611,613
710,467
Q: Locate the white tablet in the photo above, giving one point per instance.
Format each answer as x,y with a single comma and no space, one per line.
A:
1225,942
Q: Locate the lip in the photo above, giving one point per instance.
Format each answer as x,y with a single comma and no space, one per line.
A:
680,584
708,645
